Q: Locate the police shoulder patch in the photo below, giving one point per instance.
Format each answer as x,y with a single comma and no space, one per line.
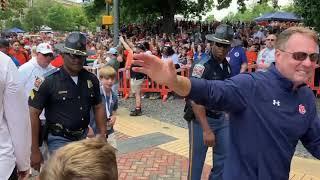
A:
198,70
37,83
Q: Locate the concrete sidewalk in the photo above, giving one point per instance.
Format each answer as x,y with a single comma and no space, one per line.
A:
151,149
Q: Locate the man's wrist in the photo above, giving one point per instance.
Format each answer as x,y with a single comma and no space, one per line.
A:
207,130
35,148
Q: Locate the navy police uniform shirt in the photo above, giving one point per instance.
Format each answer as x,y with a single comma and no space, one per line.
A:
267,119
209,68
66,102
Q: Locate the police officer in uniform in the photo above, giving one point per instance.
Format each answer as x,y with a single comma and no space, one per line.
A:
67,94
209,127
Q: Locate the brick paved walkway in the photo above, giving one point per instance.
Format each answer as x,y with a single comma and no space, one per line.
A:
154,163
169,161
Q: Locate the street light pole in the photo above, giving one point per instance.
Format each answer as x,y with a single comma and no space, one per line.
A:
116,9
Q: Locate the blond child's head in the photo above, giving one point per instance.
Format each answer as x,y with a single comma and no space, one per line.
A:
107,76
89,159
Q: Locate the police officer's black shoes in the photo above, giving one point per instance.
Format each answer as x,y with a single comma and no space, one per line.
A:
136,112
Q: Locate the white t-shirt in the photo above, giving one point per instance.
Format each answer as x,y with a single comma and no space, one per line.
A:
174,58
75,79
266,56
28,73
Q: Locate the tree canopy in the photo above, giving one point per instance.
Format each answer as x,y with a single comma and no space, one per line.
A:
310,11
65,18
252,12
145,10
12,14
55,15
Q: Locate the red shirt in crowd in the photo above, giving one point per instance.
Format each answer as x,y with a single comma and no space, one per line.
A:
57,62
20,55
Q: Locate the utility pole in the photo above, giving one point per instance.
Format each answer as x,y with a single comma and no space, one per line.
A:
116,18
108,7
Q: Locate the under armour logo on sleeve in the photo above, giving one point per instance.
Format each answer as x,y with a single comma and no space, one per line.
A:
276,102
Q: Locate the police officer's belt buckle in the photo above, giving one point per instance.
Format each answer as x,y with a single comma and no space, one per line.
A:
58,129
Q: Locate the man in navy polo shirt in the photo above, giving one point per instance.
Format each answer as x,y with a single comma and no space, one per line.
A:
269,111
237,57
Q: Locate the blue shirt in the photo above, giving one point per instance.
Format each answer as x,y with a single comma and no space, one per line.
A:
16,62
236,57
112,107
196,59
267,118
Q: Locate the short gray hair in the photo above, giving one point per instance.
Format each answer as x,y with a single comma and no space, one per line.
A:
284,36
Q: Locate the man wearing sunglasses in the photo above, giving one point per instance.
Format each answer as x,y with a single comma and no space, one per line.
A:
267,55
208,127
68,94
32,74
269,111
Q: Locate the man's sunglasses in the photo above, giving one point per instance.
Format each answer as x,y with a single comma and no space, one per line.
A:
48,55
221,45
301,56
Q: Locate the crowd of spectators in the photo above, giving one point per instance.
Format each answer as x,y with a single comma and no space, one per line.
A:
187,45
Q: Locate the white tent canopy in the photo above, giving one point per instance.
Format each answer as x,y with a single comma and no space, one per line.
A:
46,29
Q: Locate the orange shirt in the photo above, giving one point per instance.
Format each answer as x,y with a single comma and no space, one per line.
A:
190,54
251,56
19,55
129,58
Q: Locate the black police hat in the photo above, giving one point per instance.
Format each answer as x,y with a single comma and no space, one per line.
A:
76,43
223,34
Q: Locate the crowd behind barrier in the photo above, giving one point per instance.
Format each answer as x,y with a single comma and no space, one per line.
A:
148,85
188,45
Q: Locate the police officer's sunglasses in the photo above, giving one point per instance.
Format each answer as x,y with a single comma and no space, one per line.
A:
301,56
74,56
221,45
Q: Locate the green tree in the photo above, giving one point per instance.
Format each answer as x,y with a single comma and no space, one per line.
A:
145,10
34,19
252,12
210,18
13,13
310,11
79,17
59,18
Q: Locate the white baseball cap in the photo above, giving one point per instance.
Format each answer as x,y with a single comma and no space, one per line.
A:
44,48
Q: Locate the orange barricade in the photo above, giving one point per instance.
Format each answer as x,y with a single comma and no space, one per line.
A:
124,82
147,86
312,82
